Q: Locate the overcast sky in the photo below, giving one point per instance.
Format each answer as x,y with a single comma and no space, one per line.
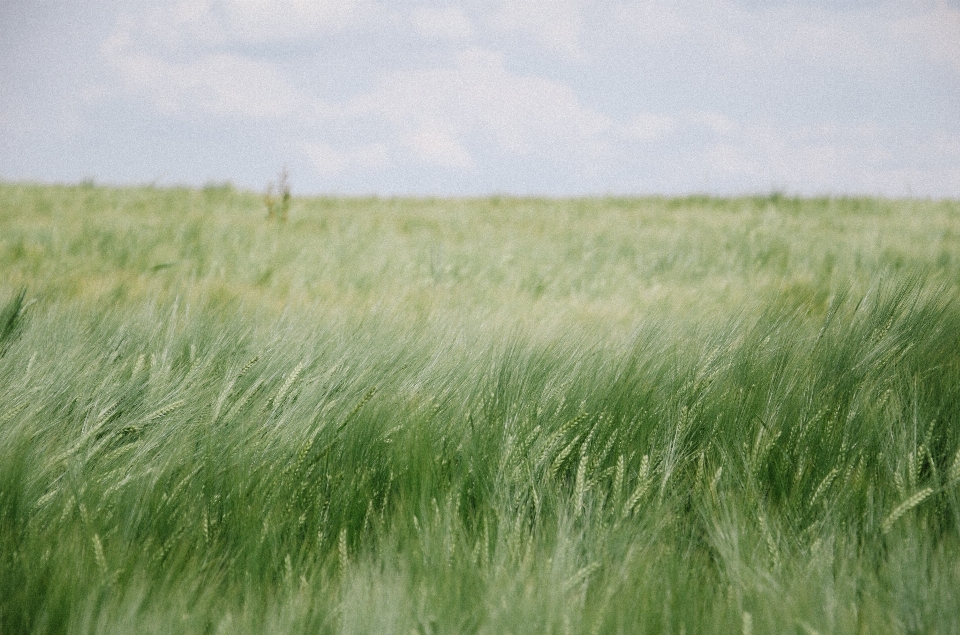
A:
562,97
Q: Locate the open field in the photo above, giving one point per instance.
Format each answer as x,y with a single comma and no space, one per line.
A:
477,416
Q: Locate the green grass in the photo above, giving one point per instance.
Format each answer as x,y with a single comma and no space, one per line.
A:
477,416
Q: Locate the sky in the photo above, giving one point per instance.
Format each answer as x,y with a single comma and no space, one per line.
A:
482,97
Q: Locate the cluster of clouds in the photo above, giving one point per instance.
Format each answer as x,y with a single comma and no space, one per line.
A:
560,97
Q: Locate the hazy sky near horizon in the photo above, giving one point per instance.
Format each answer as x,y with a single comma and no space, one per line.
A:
562,97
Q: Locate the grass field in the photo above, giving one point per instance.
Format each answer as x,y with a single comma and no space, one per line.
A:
477,416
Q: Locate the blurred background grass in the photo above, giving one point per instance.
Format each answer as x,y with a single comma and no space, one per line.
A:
597,262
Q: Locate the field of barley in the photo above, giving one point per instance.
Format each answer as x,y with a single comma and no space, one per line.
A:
484,416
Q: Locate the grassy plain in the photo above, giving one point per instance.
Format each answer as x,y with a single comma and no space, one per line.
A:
477,416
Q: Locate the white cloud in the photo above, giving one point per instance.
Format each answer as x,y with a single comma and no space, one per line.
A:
270,19
730,89
214,22
331,162
865,39
650,125
433,116
440,148
936,30
652,23
478,97
556,25
216,83
444,23
831,158
715,122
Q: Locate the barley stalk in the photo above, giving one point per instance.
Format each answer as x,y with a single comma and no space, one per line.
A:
715,481
770,540
898,482
106,412
562,456
179,487
581,483
581,576
14,411
618,479
243,371
520,450
46,498
953,474
367,397
824,484
904,507
170,542
98,554
642,486
912,470
507,452
593,431
138,366
292,377
33,358
162,412
342,549
557,437
606,448
244,399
